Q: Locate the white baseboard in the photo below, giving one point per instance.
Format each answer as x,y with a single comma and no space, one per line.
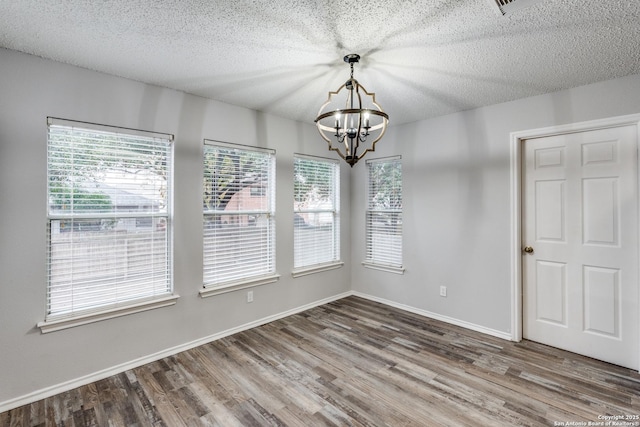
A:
435,316
105,373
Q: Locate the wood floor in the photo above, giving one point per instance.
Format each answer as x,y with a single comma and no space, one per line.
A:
352,362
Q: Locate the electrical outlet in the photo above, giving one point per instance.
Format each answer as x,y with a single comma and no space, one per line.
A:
443,291
250,296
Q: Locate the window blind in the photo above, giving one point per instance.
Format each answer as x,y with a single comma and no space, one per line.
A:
316,227
108,217
239,208
384,212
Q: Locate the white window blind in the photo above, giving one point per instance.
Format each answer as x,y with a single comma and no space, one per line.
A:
316,227
108,217
239,208
384,213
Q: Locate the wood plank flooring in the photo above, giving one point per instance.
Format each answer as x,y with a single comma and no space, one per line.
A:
352,362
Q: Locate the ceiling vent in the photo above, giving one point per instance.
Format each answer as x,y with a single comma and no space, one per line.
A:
507,7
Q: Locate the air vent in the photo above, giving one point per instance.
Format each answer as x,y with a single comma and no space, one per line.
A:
507,7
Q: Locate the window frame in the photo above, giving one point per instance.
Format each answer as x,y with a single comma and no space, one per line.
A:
250,280
334,211
102,309
371,261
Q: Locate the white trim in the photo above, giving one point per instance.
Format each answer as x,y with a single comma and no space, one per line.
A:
380,267
299,272
516,141
56,121
236,286
316,158
384,159
235,146
105,373
435,316
612,122
516,237
47,326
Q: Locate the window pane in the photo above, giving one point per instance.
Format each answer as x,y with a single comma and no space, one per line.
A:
93,266
315,245
316,215
385,185
237,246
105,172
384,213
238,203
384,238
108,218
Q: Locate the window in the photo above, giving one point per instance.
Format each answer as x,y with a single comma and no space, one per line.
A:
108,219
384,215
316,210
239,222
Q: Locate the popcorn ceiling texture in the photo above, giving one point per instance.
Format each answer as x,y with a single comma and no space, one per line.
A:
423,58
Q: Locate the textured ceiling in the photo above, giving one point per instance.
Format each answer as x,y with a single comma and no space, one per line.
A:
423,58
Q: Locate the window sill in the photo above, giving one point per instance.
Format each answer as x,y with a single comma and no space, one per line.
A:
235,286
316,269
382,267
83,319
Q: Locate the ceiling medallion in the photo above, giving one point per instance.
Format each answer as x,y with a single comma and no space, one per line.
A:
351,121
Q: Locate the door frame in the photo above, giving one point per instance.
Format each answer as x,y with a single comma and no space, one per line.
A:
516,185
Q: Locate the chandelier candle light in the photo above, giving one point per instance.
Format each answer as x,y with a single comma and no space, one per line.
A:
345,123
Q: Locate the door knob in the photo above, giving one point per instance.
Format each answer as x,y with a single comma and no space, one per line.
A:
528,249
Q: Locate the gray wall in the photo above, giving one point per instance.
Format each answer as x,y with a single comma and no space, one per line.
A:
32,89
457,202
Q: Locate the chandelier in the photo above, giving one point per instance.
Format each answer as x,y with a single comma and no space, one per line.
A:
351,122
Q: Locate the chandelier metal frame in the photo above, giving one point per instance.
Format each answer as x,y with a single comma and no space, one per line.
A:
345,129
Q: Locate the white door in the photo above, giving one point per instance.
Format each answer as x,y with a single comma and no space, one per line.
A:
580,206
